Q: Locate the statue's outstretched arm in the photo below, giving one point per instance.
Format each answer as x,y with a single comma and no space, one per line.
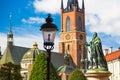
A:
86,44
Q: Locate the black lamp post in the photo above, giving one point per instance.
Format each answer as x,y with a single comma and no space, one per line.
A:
49,31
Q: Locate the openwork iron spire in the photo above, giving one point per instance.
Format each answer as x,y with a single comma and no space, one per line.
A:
71,4
10,22
62,4
83,6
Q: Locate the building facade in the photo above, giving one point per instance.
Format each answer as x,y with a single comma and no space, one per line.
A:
28,60
113,61
12,52
73,35
25,56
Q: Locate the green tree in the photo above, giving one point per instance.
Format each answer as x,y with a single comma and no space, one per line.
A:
10,71
39,70
77,75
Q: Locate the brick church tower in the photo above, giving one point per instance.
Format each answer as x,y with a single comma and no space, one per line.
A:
73,33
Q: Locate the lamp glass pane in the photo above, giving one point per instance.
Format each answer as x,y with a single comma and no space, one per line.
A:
49,36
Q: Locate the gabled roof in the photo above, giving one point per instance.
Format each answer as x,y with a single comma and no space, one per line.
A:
17,53
113,55
6,57
57,59
13,54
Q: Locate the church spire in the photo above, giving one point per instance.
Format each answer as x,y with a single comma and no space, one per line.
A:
69,6
62,4
83,6
10,22
10,34
74,2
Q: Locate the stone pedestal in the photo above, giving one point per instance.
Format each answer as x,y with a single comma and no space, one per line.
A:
98,76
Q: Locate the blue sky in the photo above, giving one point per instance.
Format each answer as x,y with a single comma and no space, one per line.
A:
102,16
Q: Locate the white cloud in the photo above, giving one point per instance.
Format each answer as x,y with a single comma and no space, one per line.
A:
108,16
92,19
102,14
3,41
29,39
33,20
47,6
26,41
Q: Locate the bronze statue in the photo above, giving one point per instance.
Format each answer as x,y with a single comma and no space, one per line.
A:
96,54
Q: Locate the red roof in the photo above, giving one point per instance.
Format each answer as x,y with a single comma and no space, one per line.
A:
113,55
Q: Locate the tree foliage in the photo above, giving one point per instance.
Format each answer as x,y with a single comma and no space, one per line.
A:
77,75
39,70
10,71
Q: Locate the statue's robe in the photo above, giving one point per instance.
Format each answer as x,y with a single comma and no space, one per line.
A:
100,56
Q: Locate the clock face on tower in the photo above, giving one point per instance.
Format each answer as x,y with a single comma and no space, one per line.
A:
67,36
10,39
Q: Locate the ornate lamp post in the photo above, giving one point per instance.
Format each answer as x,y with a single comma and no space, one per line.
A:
49,31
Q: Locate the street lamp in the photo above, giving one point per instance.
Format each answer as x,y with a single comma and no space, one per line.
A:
48,31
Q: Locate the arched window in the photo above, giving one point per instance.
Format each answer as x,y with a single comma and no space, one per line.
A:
68,24
79,24
68,47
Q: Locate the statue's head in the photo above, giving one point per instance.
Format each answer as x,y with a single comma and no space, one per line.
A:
94,35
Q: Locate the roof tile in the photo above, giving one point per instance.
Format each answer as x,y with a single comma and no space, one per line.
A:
113,55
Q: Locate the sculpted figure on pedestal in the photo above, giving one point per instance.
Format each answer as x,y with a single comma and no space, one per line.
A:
97,58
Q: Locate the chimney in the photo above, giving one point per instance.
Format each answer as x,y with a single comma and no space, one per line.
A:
111,49
105,51
118,48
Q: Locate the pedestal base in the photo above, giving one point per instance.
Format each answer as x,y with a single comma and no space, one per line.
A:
98,76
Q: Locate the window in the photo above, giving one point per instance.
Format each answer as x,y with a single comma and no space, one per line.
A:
80,47
25,64
68,47
79,24
68,24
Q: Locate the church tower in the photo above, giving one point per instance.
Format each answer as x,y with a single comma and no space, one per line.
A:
73,33
10,34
